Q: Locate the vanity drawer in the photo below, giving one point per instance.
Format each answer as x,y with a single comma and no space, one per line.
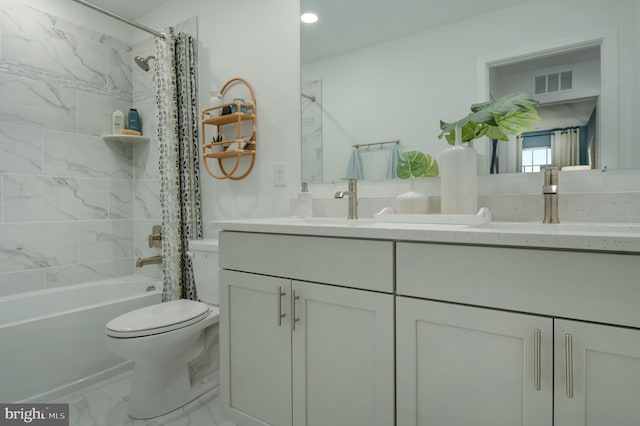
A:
364,264
590,286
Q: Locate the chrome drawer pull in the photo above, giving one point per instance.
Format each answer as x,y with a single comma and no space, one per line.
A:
568,352
537,337
281,294
293,310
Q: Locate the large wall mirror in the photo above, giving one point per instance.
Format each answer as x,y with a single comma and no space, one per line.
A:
376,71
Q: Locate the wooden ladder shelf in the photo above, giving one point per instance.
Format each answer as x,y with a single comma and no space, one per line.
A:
237,147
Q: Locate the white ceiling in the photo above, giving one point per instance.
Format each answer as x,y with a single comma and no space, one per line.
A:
347,25
132,9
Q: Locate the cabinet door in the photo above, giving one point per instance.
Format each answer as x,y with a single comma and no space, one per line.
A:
465,366
343,357
603,362
255,358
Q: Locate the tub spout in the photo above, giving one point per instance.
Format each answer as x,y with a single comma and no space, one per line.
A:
153,260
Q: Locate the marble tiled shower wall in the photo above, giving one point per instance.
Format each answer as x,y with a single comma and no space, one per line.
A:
70,203
147,176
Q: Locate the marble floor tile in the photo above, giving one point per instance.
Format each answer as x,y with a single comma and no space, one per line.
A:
105,404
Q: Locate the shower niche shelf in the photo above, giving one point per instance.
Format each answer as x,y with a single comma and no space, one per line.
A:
125,138
230,151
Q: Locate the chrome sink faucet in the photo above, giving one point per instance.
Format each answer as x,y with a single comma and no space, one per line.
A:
550,192
352,193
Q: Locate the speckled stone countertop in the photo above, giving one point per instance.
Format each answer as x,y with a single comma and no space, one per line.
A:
603,237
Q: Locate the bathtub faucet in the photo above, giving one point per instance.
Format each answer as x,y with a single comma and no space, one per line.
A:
153,260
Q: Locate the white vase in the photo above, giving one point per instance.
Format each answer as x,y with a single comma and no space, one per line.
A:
458,179
412,202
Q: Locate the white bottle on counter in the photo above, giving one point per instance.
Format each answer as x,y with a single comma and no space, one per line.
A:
304,203
458,179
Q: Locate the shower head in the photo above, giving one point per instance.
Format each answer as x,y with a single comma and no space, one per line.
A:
143,62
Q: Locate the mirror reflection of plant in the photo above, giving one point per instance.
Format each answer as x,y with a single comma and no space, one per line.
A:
511,114
413,164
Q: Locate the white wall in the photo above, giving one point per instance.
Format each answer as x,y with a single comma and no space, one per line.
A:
259,41
633,150
404,95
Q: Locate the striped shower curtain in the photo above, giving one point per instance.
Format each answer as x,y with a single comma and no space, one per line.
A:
176,96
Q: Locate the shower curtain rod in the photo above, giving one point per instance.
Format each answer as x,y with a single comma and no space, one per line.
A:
121,19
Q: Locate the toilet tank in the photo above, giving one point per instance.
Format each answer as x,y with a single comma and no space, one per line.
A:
204,255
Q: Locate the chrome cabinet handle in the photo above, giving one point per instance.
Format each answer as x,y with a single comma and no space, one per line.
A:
568,352
537,338
281,294
293,310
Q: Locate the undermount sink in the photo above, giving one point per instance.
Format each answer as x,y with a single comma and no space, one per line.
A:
336,221
321,221
566,227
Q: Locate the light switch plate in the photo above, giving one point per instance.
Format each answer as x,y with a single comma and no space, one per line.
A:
279,174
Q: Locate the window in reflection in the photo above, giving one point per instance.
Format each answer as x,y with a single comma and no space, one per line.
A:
535,159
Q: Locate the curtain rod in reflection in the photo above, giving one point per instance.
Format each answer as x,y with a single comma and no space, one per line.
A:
548,132
311,98
121,18
376,143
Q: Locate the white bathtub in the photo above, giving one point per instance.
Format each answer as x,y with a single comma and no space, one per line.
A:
53,339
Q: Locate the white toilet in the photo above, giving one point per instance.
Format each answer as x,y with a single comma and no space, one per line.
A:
174,345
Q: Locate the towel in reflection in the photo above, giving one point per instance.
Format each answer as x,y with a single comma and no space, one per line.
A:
354,169
393,162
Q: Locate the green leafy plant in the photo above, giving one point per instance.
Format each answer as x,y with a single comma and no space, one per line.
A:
413,164
511,114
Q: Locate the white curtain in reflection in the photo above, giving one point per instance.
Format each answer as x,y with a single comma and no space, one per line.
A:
519,140
565,148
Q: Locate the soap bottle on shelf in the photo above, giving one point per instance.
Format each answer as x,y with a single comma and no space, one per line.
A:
214,101
117,122
133,121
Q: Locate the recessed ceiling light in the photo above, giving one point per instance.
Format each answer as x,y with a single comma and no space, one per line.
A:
309,18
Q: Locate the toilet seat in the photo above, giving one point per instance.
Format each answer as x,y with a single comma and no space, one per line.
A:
156,319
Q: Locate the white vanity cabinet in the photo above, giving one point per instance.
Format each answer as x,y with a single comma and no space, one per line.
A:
597,374
459,365
304,341
255,365
487,365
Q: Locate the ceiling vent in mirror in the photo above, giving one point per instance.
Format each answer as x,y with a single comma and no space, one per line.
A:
553,82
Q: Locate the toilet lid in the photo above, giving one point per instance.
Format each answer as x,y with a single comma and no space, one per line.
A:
159,318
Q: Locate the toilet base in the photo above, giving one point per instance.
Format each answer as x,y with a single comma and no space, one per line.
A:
163,381
171,368
154,394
